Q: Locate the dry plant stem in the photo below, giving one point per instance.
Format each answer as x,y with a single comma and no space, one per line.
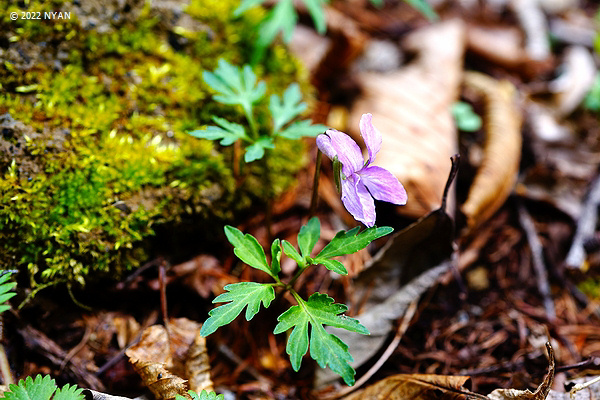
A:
408,316
537,256
162,279
75,350
581,386
315,192
236,160
586,226
269,206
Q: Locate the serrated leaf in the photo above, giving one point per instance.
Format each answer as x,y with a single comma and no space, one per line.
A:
332,265
41,388
203,395
69,392
228,132
424,8
276,257
299,129
247,248
288,109
235,86
316,10
245,5
325,348
282,18
291,252
309,236
350,242
240,295
256,151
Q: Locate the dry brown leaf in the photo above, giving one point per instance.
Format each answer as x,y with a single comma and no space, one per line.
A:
498,171
541,392
163,384
415,387
197,366
411,108
499,45
161,363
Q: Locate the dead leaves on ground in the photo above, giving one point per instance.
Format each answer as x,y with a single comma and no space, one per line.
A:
162,359
445,387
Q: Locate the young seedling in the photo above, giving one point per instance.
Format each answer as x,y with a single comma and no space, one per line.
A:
239,86
308,318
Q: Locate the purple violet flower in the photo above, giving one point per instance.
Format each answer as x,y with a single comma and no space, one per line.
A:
361,182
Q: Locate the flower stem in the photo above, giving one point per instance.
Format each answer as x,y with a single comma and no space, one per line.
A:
269,193
315,193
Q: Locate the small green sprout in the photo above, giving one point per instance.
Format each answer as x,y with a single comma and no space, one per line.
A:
239,86
316,312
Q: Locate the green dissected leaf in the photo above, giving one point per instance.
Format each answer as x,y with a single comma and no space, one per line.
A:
282,18
245,5
6,291
291,252
377,3
317,12
247,248
204,395
325,348
298,129
228,132
240,295
309,236
69,392
256,151
350,242
332,265
424,8
41,388
276,256
288,109
235,85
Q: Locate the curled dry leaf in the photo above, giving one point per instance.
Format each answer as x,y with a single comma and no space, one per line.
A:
163,384
416,387
163,364
541,392
497,174
411,109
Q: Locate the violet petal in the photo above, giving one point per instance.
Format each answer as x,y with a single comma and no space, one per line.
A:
358,201
324,144
347,151
383,185
370,135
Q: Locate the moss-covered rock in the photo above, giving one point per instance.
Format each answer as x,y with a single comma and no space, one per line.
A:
94,109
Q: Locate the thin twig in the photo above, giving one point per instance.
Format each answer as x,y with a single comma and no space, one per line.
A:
586,225
408,316
75,350
162,282
537,258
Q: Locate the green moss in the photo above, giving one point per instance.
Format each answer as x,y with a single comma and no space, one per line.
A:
94,152
591,287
